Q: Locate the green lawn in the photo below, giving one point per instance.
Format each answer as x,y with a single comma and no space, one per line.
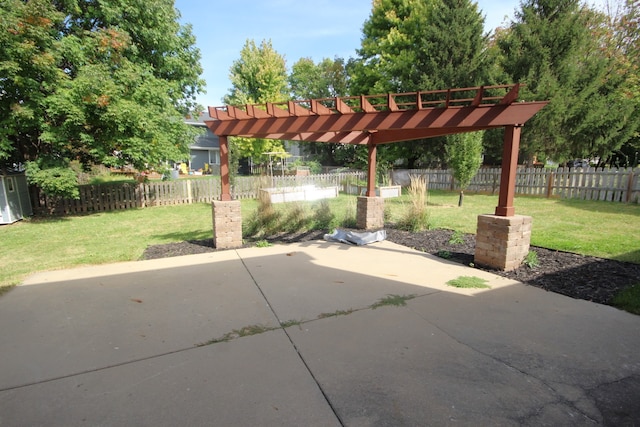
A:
608,230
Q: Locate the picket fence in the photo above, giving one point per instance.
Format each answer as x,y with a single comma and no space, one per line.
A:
117,196
614,185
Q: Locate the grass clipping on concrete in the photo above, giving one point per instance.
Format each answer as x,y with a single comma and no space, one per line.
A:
468,282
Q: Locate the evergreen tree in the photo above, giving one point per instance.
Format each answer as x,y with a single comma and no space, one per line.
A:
411,45
453,53
561,50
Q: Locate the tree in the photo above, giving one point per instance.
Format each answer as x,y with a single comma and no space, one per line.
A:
563,52
97,81
411,45
327,79
28,65
257,77
624,44
464,155
388,59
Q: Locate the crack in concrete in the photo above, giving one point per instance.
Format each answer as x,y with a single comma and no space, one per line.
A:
560,399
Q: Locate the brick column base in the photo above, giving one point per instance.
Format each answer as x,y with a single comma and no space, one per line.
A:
227,224
370,213
502,242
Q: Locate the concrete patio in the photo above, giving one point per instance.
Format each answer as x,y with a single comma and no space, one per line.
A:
157,343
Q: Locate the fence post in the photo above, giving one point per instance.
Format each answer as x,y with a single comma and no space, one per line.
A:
629,186
549,184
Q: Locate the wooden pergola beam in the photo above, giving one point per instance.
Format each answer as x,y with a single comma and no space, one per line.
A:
452,118
424,115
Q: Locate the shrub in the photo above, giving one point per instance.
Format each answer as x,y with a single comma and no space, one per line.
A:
323,218
263,244
350,219
296,218
457,238
53,179
416,218
531,260
266,219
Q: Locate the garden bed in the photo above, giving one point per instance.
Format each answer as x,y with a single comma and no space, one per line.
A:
302,193
385,191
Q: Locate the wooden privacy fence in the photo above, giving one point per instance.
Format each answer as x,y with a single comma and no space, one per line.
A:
118,196
621,185
613,185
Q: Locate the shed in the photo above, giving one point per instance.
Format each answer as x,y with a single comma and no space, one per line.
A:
14,198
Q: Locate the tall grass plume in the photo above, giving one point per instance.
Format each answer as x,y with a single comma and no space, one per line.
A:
416,217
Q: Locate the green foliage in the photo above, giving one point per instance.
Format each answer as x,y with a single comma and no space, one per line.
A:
568,54
257,77
464,153
263,244
265,220
28,65
457,238
531,260
416,217
56,179
71,241
335,313
323,217
443,254
468,282
326,79
100,85
245,331
288,323
268,219
314,166
628,299
295,218
392,299
388,54
5,289
444,37
454,52
350,218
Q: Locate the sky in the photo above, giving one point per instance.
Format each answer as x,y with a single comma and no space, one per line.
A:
313,29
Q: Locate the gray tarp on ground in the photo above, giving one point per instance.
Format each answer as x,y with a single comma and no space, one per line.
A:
353,238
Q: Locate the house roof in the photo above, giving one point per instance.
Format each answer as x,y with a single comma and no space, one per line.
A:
207,140
200,120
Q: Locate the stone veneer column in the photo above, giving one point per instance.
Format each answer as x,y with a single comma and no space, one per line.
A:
227,224
502,242
370,213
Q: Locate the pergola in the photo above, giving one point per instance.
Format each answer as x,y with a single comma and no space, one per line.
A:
372,120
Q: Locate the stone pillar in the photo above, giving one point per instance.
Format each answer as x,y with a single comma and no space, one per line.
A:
370,213
227,224
502,242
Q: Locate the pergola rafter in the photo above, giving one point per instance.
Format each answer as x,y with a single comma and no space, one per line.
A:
381,119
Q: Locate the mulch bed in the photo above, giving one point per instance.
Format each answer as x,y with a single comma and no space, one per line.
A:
577,276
